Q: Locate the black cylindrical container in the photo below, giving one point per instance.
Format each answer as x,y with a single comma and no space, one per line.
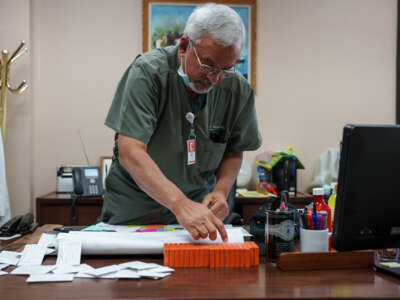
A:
279,233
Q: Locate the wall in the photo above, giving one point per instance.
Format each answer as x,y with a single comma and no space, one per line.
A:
82,49
15,27
321,64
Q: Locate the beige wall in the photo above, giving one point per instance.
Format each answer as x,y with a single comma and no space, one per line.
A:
81,49
15,27
321,64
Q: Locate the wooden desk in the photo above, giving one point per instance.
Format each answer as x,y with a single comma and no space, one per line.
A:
54,208
263,282
246,207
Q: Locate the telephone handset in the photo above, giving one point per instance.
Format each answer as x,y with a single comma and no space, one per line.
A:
87,181
10,227
22,224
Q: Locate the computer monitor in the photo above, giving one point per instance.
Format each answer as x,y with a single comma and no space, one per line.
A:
367,212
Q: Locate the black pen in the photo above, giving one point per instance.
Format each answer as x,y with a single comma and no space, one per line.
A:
305,218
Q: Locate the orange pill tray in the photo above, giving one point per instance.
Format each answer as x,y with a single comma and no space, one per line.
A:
211,256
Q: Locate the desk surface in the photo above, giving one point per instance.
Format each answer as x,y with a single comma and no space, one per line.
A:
263,282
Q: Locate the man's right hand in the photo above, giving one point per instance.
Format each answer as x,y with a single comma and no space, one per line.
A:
199,220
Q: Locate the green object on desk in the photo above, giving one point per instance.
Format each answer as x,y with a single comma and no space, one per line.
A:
95,228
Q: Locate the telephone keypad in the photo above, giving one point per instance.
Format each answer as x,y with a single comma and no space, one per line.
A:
93,189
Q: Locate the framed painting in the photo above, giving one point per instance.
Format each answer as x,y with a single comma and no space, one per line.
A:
164,22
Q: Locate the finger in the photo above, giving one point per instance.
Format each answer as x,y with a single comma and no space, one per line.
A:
209,202
193,232
221,229
220,210
203,231
212,231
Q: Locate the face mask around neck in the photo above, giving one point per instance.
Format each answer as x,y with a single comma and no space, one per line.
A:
188,83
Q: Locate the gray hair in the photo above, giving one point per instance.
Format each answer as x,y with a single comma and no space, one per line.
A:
221,21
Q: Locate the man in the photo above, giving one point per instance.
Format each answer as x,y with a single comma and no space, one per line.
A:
182,117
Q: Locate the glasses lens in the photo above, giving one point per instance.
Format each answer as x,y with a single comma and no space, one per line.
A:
206,69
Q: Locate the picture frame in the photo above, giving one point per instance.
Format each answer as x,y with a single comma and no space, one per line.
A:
105,165
164,21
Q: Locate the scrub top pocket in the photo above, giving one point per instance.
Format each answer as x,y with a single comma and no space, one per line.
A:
210,158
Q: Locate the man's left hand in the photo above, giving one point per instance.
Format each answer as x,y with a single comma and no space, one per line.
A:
217,202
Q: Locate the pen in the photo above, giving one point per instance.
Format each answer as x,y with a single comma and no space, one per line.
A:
314,217
319,219
309,220
300,217
305,218
324,219
148,230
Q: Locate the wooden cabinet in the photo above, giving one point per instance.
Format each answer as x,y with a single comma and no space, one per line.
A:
246,207
55,208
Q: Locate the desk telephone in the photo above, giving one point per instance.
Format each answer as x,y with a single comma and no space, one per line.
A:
87,183
22,224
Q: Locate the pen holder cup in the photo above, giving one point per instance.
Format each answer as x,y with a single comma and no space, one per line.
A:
279,233
314,240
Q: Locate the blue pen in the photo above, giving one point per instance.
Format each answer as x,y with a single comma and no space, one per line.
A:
315,217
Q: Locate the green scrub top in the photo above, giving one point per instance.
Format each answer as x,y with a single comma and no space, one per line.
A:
150,105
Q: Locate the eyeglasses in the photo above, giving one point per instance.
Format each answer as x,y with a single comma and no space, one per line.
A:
209,70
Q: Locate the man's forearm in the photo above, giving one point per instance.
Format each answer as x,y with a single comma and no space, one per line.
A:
149,177
227,171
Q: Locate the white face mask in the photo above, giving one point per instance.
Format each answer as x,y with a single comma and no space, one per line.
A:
190,84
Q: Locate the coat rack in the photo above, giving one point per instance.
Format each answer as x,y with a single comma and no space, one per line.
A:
5,63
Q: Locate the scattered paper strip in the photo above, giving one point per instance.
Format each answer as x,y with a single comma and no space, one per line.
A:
47,240
66,269
33,254
138,265
123,274
69,252
153,275
33,269
104,270
50,278
9,257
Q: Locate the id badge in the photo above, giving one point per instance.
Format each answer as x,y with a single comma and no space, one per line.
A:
191,151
